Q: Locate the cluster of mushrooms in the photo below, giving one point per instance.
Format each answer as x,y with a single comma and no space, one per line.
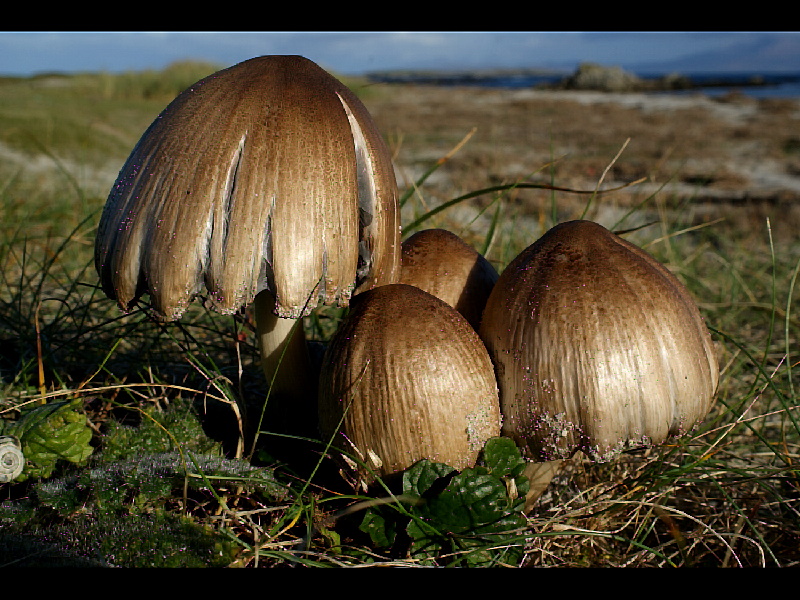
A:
269,183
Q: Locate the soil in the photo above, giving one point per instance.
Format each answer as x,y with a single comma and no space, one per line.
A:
732,156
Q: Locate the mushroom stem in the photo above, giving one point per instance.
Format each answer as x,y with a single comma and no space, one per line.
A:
284,352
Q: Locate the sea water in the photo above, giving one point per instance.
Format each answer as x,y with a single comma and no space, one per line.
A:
772,85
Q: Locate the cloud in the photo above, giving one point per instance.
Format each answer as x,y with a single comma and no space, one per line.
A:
358,51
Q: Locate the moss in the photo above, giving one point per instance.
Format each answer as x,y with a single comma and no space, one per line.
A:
159,539
159,431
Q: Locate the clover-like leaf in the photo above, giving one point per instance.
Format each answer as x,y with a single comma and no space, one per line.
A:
472,499
421,476
52,432
471,517
502,457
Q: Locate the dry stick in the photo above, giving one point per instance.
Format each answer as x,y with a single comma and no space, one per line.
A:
726,429
740,523
237,339
682,231
39,359
786,328
106,388
416,185
232,403
603,176
768,343
702,526
457,147
364,504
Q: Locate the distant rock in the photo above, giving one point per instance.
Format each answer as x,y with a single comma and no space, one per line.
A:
591,76
587,76
673,81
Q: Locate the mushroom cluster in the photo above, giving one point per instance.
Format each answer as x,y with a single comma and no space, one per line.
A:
269,182
406,375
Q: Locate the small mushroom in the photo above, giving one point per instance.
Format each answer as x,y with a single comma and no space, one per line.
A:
266,180
597,347
442,264
405,378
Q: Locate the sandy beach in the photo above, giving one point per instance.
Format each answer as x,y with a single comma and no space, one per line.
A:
731,154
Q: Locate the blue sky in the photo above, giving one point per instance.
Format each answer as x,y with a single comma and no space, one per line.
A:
26,53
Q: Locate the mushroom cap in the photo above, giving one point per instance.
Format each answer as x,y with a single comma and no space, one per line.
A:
597,347
268,175
405,378
442,264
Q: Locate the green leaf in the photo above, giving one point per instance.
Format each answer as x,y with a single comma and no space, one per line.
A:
380,530
504,460
52,432
472,499
502,457
420,477
469,517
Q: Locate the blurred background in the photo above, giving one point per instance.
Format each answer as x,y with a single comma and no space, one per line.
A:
360,52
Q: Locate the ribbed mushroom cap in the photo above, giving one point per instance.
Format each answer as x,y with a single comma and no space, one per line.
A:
597,347
442,264
408,378
267,175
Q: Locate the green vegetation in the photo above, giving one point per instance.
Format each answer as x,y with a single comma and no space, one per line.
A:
467,518
48,433
132,428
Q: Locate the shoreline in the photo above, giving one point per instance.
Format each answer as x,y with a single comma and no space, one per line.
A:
590,76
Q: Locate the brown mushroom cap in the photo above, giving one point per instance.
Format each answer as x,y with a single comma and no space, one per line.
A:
597,347
442,264
268,175
408,378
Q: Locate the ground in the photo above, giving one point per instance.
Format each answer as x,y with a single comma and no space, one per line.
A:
734,156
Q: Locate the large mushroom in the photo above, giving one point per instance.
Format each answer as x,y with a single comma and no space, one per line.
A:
404,378
442,264
597,346
266,180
